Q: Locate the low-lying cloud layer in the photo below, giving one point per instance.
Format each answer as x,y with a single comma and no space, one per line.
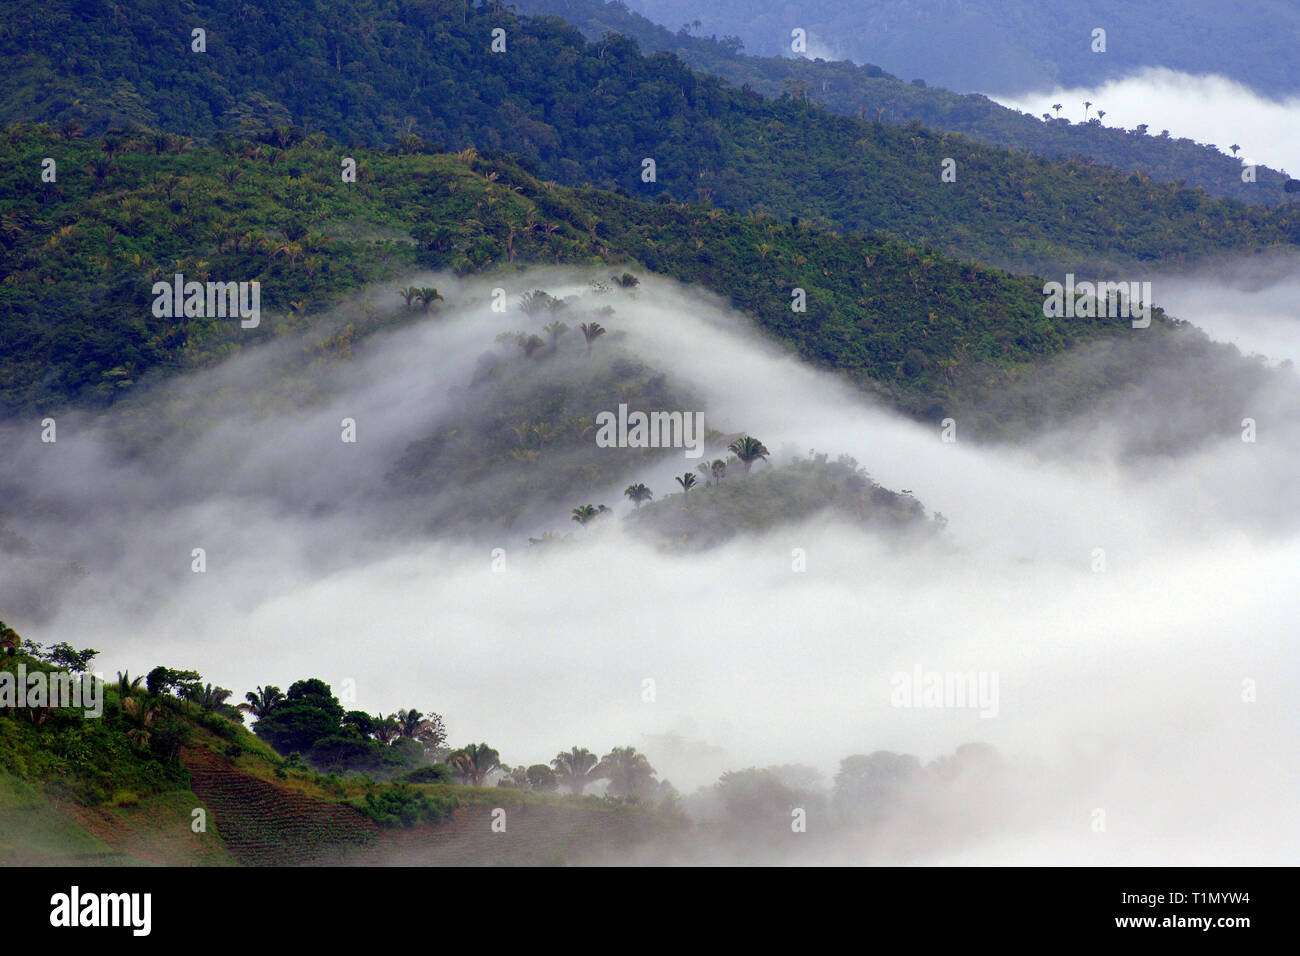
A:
1139,621
1208,109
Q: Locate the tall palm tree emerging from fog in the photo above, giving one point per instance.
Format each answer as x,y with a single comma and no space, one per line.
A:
627,770
591,331
712,469
638,493
555,330
576,769
748,450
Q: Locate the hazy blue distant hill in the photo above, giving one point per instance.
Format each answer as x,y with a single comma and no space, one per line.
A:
865,90
1017,46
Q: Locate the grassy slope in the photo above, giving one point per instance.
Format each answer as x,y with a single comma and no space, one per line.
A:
256,818
115,804
33,830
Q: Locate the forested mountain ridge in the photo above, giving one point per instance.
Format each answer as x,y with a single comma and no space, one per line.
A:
424,74
868,91
80,256
924,333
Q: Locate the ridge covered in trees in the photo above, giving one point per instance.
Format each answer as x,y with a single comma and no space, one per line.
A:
81,256
425,75
868,92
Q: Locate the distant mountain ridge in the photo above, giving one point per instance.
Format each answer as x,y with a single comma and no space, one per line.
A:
868,91
1018,46
425,75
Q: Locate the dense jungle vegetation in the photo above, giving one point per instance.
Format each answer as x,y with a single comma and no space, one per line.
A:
424,75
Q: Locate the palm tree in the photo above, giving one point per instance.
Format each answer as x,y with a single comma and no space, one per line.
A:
386,729
584,513
1087,104
410,293
687,481
591,331
1234,147
712,469
126,684
628,772
576,769
426,728
408,722
638,493
428,296
207,696
555,330
473,763
291,249
1101,114
143,715
748,450
1057,107
530,303
262,701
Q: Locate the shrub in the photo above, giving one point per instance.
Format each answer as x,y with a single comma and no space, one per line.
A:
433,773
401,806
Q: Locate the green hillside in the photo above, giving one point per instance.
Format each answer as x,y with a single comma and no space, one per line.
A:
168,779
922,332
372,72
81,255
167,775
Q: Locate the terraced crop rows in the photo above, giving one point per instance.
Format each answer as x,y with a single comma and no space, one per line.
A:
535,836
265,825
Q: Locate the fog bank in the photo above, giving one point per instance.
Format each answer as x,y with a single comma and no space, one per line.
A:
1140,621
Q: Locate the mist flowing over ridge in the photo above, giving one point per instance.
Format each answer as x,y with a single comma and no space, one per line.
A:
1206,108
1119,688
